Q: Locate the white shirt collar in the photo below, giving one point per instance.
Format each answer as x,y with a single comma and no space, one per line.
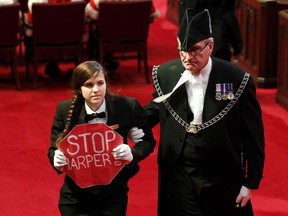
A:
102,108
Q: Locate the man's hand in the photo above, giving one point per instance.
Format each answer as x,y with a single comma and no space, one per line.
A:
123,152
136,134
243,197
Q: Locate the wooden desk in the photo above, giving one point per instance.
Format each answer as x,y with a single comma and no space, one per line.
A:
282,79
259,28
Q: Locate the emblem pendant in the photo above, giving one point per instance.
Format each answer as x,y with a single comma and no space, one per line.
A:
192,128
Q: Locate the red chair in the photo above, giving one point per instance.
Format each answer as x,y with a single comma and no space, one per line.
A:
57,34
9,22
124,28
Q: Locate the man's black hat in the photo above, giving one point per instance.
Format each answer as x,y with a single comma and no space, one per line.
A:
194,28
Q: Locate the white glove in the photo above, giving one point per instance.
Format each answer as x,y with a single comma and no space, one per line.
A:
243,197
59,160
135,134
123,152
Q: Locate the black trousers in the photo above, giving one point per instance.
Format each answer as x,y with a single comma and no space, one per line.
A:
102,204
195,195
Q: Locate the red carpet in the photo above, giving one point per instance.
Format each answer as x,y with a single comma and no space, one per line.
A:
29,186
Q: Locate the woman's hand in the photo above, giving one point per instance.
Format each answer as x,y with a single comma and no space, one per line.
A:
59,160
123,152
136,134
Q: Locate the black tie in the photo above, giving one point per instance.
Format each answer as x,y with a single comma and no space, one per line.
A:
89,117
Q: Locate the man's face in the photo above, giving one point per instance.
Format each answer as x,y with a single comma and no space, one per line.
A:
197,57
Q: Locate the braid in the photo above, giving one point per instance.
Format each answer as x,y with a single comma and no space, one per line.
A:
68,120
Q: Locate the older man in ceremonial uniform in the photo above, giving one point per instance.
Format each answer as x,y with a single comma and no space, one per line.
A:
211,151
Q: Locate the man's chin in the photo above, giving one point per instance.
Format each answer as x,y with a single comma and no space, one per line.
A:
190,68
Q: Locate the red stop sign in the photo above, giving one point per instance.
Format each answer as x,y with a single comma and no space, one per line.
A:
88,149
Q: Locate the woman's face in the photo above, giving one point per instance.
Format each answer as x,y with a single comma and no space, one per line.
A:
94,90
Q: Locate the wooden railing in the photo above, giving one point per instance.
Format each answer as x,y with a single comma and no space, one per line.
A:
282,81
259,28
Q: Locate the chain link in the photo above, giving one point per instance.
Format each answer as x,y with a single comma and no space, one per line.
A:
192,128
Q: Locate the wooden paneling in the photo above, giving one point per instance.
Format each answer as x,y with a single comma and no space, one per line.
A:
259,28
282,83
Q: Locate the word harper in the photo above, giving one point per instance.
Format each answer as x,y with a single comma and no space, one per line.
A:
97,160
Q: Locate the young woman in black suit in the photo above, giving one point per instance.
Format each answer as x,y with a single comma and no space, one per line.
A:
89,82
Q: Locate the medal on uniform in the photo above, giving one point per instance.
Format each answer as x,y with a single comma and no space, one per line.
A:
230,91
218,92
224,91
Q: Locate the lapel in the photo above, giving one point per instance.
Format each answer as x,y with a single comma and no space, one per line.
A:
179,99
112,112
211,106
179,102
82,115
169,74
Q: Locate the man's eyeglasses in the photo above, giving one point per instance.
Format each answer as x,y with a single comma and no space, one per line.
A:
194,51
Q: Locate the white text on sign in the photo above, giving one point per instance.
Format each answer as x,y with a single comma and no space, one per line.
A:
96,148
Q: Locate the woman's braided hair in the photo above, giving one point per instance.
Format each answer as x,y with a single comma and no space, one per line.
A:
81,74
